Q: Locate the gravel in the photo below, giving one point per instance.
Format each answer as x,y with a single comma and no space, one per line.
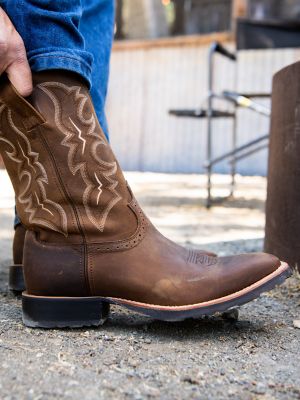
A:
250,354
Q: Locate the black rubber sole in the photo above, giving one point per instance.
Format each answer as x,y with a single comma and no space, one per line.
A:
63,312
16,281
74,312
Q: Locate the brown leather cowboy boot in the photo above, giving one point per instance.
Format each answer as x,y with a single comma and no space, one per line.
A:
16,281
88,243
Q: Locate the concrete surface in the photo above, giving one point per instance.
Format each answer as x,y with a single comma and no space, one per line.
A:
134,357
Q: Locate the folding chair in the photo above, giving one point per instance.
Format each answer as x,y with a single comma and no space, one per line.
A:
250,34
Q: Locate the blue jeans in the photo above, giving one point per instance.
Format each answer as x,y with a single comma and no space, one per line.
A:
74,35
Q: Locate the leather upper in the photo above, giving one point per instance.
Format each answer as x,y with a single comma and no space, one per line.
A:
87,234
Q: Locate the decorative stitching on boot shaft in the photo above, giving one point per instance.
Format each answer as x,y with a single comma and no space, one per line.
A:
33,178
75,139
131,242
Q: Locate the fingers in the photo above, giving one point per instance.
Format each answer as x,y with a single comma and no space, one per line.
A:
19,74
13,59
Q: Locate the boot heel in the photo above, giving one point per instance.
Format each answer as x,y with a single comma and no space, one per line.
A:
63,312
16,281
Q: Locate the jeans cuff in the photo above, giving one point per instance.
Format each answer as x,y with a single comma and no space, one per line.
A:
58,60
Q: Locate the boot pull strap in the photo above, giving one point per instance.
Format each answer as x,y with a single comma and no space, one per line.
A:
14,101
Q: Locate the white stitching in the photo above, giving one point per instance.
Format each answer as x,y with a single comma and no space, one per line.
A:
82,166
30,160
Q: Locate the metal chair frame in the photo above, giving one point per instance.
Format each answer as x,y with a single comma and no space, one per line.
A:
250,34
237,100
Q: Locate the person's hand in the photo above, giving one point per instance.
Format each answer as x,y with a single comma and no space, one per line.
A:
13,59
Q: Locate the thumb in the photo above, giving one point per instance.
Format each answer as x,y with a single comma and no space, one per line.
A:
19,74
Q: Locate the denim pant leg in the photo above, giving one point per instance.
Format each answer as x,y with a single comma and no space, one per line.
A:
70,35
97,28
74,35
50,31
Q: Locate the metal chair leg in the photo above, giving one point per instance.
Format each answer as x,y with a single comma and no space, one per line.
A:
209,124
233,163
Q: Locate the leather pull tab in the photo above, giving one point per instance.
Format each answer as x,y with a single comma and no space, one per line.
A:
9,96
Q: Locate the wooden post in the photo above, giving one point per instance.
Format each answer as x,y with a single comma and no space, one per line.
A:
283,194
239,9
119,20
178,27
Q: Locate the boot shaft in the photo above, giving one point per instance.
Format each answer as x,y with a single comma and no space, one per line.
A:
69,186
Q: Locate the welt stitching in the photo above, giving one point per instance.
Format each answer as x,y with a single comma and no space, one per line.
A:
91,270
81,270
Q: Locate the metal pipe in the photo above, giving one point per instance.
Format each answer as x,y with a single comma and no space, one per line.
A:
250,152
209,123
234,152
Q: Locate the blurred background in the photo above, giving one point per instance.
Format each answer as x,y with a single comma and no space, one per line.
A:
160,62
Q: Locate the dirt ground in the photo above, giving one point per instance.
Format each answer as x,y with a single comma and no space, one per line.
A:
254,356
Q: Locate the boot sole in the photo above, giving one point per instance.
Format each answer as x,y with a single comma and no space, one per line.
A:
74,312
16,281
